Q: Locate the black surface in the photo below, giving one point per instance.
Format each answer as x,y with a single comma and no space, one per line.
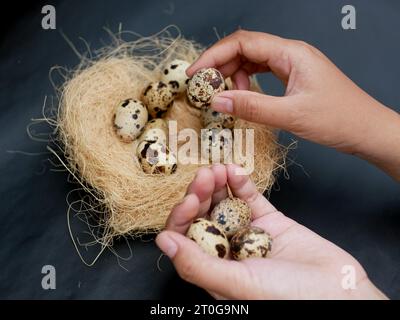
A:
343,198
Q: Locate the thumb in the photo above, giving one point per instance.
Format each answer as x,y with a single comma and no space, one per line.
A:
254,107
226,278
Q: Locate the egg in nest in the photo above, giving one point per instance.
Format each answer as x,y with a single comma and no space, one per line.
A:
174,74
130,119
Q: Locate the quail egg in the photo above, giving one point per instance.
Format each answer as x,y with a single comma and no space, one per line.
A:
209,237
156,130
203,85
216,143
250,242
231,214
157,124
174,74
129,119
158,97
155,158
209,115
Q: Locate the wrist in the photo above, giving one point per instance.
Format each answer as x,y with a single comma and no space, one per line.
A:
378,139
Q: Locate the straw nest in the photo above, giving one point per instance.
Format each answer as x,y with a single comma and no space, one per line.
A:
125,200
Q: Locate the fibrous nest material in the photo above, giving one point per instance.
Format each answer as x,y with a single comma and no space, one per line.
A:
125,200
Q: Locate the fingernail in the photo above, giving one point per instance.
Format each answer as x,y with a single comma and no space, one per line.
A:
167,245
222,104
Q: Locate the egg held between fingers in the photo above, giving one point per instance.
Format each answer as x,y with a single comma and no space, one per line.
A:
204,84
158,97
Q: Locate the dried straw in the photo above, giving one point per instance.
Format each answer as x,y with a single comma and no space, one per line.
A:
123,199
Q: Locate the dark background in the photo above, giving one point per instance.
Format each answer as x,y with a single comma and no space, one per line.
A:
341,197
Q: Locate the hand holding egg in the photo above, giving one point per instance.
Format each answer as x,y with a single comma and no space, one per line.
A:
226,217
198,229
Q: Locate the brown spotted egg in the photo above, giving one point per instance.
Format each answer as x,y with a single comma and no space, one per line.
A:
209,115
158,97
231,214
203,85
156,130
155,158
129,119
209,237
250,242
174,74
216,144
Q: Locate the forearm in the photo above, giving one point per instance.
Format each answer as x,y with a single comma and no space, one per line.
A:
380,141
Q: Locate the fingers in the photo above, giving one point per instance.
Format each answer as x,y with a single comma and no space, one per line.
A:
275,223
256,47
183,214
203,186
241,54
256,107
264,214
220,178
222,277
241,80
195,204
244,188
231,66
207,189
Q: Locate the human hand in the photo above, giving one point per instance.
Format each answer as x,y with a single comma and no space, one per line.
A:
301,265
320,104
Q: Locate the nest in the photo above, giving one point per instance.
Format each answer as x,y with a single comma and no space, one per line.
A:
126,200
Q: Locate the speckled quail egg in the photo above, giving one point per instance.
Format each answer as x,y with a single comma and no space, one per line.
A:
156,130
231,214
209,115
174,74
129,119
203,85
209,237
158,97
157,123
216,143
250,242
155,158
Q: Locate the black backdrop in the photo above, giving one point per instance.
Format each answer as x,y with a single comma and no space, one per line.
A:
342,198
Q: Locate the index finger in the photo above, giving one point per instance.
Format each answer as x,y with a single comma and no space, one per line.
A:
244,188
256,47
264,214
